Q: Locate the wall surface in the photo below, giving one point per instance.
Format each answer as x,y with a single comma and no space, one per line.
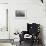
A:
3,1
35,12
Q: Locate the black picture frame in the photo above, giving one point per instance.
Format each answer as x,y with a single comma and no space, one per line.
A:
20,14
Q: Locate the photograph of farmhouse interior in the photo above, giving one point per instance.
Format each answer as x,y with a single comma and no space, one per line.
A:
22,22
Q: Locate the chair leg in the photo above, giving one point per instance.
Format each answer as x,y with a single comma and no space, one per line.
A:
20,42
32,42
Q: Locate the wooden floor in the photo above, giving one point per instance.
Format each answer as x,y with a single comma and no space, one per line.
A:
27,44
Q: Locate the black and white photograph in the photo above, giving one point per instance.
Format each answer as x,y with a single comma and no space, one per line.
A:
20,13
22,22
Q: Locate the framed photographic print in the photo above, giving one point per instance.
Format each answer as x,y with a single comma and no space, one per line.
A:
20,14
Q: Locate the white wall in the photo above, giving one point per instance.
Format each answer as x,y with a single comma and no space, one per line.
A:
35,12
3,1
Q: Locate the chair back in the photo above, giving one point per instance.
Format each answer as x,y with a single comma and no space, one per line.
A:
33,28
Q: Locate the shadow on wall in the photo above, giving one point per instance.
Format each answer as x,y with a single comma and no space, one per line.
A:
41,34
